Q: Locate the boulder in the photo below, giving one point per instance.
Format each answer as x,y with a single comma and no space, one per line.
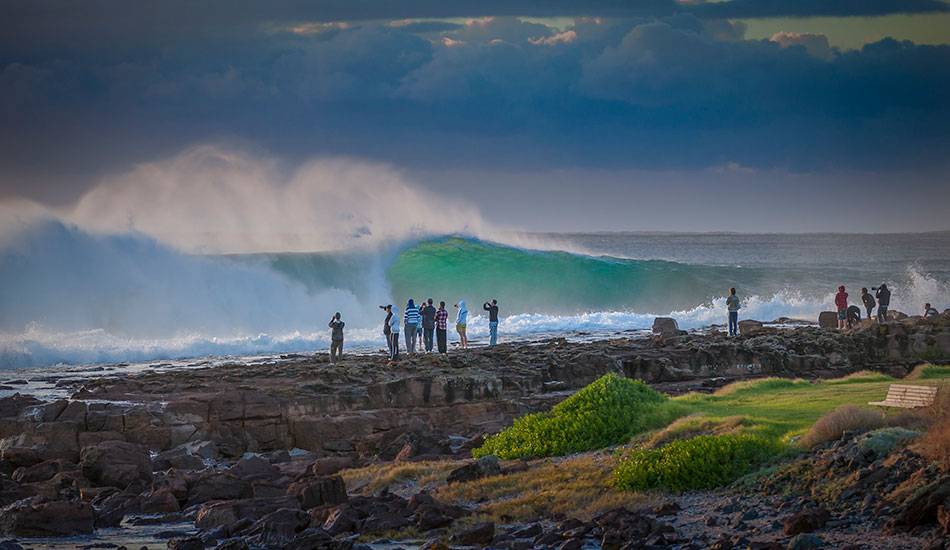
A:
53,519
220,514
217,486
805,541
342,520
117,464
277,527
254,467
162,501
186,543
318,492
666,331
330,465
806,521
383,521
828,319
748,327
43,471
178,458
479,535
483,467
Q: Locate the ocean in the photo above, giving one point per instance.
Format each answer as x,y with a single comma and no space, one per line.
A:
71,297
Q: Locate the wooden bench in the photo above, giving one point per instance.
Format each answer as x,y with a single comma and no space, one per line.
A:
905,396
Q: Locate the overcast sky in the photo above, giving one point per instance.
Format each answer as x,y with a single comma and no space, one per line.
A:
742,115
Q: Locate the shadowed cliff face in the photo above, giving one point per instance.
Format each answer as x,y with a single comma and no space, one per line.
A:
356,405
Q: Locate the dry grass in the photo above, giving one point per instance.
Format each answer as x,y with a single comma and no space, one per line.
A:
402,478
935,444
831,426
576,486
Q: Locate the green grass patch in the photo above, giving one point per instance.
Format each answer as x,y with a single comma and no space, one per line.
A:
703,462
606,412
930,372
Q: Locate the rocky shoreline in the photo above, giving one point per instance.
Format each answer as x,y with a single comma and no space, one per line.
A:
172,447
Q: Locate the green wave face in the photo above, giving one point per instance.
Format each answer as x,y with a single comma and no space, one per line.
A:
553,282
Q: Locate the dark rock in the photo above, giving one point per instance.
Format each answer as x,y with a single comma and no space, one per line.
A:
666,509
433,545
805,521
254,467
186,543
316,539
804,541
342,520
318,492
529,532
217,514
278,527
43,471
330,465
53,519
483,467
10,545
218,486
922,508
178,458
478,535
116,464
383,521
160,502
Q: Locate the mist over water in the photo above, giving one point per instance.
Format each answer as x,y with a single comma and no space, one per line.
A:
221,253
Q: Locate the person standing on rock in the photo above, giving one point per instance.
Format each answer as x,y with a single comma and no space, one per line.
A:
492,309
868,301
428,325
336,338
419,326
411,323
460,323
387,330
441,320
883,301
841,303
930,311
394,333
732,304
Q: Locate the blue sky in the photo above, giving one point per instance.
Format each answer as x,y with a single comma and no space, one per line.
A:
609,115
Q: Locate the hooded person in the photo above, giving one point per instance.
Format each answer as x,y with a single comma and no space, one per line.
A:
841,303
460,322
394,334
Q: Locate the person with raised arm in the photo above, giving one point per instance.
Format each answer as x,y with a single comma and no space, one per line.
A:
336,338
492,309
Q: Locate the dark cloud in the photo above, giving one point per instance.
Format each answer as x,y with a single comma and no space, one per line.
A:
749,9
674,92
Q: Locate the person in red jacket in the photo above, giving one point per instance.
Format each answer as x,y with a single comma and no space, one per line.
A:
841,302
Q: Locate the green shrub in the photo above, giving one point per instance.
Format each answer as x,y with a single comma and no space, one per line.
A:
606,412
882,441
704,462
928,372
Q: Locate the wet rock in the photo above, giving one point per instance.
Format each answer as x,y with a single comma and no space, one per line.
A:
160,502
483,467
383,521
342,520
478,535
806,521
186,543
117,464
218,486
52,519
178,458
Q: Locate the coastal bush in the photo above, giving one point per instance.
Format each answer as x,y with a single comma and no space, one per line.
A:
704,462
692,426
606,412
880,442
832,426
929,372
935,445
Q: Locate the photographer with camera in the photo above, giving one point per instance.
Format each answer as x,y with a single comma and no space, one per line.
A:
492,309
883,300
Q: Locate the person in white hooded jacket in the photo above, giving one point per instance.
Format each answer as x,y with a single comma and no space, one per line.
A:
394,334
460,323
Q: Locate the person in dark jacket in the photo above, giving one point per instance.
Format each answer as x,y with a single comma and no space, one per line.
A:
883,301
428,325
492,309
411,321
336,338
441,322
868,301
387,330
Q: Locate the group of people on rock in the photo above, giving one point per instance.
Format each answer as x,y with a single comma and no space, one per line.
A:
845,319
422,324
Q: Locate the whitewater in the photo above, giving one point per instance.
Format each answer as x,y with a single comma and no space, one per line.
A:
215,253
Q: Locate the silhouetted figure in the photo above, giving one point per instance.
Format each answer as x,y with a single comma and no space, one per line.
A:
883,301
868,301
492,309
732,304
336,338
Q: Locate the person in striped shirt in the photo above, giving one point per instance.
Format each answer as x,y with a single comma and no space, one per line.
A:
411,321
441,322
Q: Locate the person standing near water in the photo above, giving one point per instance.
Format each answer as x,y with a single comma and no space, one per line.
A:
868,301
841,302
336,338
428,324
732,304
441,320
394,333
419,326
930,311
492,309
387,330
883,301
460,323
412,322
